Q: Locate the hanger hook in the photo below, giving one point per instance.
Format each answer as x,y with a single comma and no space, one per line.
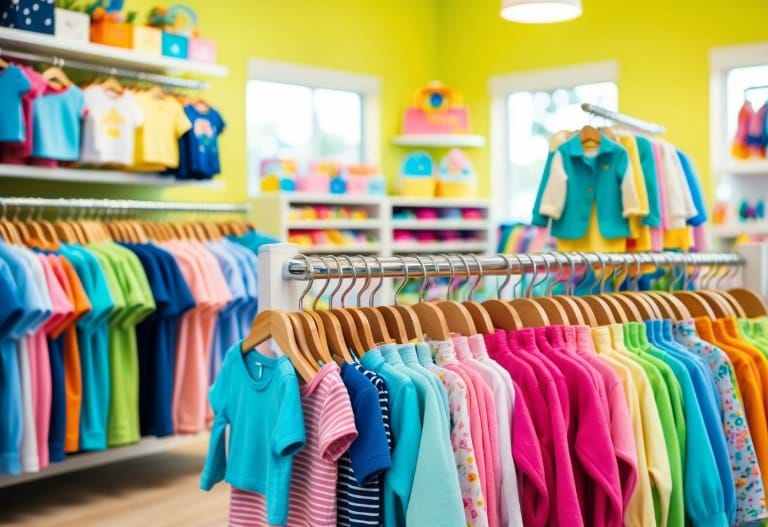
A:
320,293
544,278
480,274
557,280
508,277
676,278
603,272
587,270
423,288
406,276
452,275
354,280
310,280
339,283
376,289
522,274
464,260
368,278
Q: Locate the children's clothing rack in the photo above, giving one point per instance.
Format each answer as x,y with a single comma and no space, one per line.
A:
631,122
174,82
118,205
281,270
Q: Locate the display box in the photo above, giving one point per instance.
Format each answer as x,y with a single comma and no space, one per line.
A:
111,33
201,50
29,15
72,25
147,40
176,46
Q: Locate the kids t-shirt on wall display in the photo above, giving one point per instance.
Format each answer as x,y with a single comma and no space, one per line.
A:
56,124
13,86
110,127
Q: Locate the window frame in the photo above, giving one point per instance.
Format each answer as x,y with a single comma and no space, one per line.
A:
547,79
368,87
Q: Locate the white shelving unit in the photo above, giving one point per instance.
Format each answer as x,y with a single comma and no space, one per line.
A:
110,177
107,55
730,232
272,213
440,140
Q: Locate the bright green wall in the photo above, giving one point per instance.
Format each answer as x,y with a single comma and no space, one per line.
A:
661,46
395,40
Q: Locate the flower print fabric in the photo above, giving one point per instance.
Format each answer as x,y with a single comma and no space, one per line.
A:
463,449
750,492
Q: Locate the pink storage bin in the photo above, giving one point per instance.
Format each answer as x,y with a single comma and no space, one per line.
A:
426,236
426,214
472,214
201,50
402,236
357,184
316,183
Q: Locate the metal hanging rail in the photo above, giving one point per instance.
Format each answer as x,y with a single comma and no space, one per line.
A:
175,82
120,205
631,122
306,268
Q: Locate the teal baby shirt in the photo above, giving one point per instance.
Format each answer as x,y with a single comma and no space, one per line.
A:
258,398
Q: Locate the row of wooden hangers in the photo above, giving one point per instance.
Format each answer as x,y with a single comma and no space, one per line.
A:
315,337
37,231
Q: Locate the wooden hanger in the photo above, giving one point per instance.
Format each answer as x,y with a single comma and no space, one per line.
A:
457,316
277,325
750,302
570,305
56,78
501,312
480,317
3,64
111,84
590,136
556,313
430,317
374,316
393,319
355,327
408,316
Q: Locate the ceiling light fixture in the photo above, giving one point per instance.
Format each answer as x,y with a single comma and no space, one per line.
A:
540,11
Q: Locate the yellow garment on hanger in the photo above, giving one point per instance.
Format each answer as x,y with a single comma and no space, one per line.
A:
639,232
593,240
681,239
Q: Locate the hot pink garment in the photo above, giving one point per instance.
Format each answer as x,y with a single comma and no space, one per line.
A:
596,475
526,445
488,418
40,361
551,417
579,342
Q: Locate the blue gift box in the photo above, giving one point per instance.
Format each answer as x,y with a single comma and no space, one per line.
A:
29,15
176,46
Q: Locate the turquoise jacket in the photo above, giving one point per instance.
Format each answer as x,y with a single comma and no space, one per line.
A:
574,182
648,164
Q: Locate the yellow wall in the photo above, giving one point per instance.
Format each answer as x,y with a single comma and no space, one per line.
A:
661,46
393,39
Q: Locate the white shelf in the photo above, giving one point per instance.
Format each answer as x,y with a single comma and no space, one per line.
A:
440,140
335,224
744,168
439,247
106,55
358,248
328,199
464,203
463,225
736,230
114,177
147,446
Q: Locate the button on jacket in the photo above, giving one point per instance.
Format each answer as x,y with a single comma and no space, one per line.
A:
575,181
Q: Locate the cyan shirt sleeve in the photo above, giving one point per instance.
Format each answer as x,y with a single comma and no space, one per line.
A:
289,435
216,461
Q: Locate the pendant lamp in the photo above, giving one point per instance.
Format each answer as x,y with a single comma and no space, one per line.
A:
540,11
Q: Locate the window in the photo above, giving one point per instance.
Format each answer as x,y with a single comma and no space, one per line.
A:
527,109
306,114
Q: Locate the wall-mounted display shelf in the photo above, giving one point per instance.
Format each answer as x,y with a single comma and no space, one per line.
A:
440,140
106,55
725,232
744,168
109,177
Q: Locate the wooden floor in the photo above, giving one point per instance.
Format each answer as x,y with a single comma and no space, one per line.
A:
157,491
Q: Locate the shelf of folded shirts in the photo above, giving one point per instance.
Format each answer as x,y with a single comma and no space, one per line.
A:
440,140
350,248
440,247
755,167
106,55
335,224
147,446
110,177
448,225
758,228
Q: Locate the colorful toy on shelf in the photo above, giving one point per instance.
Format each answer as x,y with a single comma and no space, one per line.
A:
455,176
365,179
417,176
278,175
436,109
178,19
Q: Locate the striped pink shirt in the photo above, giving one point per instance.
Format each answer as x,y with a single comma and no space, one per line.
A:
330,426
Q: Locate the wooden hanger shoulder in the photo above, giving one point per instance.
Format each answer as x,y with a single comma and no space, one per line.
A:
751,302
480,317
377,322
333,333
411,321
695,305
432,321
531,313
395,323
503,315
556,314
457,317
602,312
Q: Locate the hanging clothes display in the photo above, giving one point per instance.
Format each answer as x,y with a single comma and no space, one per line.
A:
506,412
114,330
609,190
